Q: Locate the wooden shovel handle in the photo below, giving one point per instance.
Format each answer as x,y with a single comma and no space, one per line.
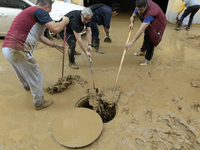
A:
122,59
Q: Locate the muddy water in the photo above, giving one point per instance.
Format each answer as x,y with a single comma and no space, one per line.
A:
159,107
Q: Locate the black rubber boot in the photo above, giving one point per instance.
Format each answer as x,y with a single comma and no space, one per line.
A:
96,46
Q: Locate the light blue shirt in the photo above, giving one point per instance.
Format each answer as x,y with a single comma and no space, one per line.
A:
191,3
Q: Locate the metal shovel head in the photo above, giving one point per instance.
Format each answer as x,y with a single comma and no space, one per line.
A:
107,39
96,89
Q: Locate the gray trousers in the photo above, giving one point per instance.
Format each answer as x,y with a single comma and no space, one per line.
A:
27,71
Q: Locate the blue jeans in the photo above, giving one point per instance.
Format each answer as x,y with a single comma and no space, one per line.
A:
94,28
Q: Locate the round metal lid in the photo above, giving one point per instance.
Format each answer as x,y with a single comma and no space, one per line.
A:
77,127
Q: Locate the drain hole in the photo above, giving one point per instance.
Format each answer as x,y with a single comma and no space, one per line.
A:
107,113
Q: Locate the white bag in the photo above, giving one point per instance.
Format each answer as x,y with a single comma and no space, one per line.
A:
185,21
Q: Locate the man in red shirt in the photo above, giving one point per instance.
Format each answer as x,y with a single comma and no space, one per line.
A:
26,30
153,25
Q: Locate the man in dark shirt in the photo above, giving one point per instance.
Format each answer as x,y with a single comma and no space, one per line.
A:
77,20
102,16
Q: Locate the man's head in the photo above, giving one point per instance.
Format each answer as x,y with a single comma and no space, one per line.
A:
115,9
141,6
45,4
86,15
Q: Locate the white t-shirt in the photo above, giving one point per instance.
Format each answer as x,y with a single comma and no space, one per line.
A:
191,2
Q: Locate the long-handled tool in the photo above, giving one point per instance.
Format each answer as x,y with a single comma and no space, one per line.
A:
64,52
122,60
92,72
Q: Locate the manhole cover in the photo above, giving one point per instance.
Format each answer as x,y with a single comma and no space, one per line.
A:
77,128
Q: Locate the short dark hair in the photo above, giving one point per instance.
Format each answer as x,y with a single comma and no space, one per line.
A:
116,7
141,3
44,2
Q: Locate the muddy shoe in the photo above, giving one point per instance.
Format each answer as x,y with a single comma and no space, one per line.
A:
188,29
177,29
77,53
99,51
73,65
145,63
140,53
44,104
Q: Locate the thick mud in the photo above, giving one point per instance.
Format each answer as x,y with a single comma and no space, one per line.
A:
159,108
64,82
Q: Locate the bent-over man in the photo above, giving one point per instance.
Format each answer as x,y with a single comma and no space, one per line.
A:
102,16
192,7
153,25
26,30
78,19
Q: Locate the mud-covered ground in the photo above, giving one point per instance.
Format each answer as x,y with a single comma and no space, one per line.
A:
159,108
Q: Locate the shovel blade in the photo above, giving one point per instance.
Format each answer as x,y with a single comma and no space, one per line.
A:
108,40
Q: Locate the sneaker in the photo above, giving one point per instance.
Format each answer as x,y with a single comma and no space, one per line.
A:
145,63
140,53
177,29
44,104
73,65
77,53
187,28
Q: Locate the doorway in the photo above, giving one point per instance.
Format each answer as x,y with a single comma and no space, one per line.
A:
163,4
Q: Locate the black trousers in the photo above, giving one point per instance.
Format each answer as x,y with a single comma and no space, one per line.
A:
147,46
94,28
193,10
71,41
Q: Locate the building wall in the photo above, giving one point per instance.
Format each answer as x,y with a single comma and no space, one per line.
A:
173,8
78,2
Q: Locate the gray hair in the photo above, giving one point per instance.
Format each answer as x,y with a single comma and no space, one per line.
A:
87,11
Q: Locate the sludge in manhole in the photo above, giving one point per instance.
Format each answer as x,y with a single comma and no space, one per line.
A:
100,102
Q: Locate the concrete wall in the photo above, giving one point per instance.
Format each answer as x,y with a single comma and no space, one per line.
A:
78,2
173,8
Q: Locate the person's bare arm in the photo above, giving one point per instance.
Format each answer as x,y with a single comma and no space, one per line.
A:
132,20
48,42
140,31
137,35
80,42
106,31
89,38
57,26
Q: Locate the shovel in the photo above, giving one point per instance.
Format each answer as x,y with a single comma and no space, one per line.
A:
122,60
63,62
107,39
92,72
64,52
92,76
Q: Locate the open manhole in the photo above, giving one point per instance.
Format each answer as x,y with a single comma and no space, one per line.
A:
107,113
